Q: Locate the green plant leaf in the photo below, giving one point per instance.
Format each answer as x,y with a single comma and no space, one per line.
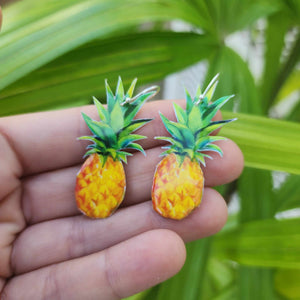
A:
266,243
278,24
77,75
287,283
287,197
181,115
235,78
50,33
239,14
266,143
291,85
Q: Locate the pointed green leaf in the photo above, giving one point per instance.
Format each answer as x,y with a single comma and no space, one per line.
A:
214,148
203,141
171,140
122,156
206,155
119,90
213,108
97,142
179,131
110,98
116,118
107,132
88,137
131,88
102,112
136,146
195,119
167,152
124,152
125,141
200,158
135,124
190,152
198,93
209,91
189,101
133,108
181,115
95,129
92,151
212,127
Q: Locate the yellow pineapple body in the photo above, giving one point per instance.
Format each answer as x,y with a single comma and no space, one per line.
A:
100,188
177,189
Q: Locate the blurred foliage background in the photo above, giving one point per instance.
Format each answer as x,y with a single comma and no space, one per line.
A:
57,53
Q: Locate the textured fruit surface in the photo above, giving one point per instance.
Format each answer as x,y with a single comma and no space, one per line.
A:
100,188
177,189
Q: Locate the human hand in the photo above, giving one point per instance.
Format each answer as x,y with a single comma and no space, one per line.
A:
49,250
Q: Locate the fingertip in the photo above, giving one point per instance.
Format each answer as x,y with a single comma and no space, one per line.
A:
172,249
147,259
216,207
222,170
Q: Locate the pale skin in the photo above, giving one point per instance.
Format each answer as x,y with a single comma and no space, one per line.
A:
48,250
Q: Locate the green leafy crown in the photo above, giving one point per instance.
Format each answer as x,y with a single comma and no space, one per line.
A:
112,134
190,134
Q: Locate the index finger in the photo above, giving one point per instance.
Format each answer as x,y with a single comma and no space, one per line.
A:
47,141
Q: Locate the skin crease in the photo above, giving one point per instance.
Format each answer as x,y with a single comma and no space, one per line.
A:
46,243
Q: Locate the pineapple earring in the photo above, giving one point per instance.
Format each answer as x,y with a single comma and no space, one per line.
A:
178,181
100,183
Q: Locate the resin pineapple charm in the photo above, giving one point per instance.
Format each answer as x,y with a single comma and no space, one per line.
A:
178,181
100,183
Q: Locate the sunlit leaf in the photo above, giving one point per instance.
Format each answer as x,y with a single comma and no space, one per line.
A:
266,143
288,195
266,243
287,283
50,33
80,74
